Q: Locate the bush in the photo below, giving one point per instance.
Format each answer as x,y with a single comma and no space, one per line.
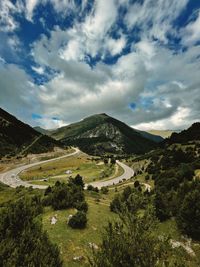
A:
63,196
131,241
92,188
104,190
22,241
78,180
78,221
48,191
82,206
189,215
136,184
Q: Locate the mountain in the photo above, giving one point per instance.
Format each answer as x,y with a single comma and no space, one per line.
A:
41,130
99,134
17,138
191,134
153,137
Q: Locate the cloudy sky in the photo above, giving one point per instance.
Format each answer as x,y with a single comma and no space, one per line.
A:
136,60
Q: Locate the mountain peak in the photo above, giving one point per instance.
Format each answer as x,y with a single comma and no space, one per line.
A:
100,134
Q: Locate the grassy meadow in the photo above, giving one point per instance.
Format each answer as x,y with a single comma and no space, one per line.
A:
91,169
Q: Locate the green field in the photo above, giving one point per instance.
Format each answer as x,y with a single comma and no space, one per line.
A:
87,167
74,242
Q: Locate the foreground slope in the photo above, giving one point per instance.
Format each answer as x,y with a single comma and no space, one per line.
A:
17,137
99,134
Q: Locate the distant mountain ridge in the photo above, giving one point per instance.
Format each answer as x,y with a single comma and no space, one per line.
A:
100,133
153,137
42,130
162,133
190,134
17,137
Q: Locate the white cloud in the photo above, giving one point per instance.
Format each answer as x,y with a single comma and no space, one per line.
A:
155,18
49,123
7,9
40,70
30,6
116,46
17,91
149,71
177,121
191,33
164,85
91,36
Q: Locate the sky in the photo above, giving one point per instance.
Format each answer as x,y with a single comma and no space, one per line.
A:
136,60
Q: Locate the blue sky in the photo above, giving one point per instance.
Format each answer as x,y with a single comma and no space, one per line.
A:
137,60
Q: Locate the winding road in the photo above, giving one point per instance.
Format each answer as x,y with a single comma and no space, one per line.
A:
12,179
128,173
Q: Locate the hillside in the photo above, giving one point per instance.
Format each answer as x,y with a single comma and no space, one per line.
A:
17,137
191,134
154,137
101,134
41,130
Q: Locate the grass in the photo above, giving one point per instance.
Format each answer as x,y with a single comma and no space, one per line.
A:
169,228
88,168
82,165
73,242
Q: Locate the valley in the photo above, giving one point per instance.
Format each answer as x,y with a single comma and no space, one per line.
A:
110,187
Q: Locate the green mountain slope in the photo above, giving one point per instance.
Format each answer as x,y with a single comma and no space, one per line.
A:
153,137
18,138
41,130
101,134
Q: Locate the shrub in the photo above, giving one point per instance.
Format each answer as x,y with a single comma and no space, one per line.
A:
82,206
136,184
78,180
104,190
79,220
92,188
22,241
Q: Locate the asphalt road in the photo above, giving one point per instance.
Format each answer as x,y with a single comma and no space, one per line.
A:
128,173
12,179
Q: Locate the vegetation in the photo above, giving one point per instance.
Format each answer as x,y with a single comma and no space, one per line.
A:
78,220
20,138
86,166
132,241
107,131
22,241
177,193
134,237
63,196
191,134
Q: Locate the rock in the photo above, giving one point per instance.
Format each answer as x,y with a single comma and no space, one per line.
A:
54,220
78,258
93,245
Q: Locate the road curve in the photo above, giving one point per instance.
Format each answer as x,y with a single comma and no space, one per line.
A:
12,179
128,173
